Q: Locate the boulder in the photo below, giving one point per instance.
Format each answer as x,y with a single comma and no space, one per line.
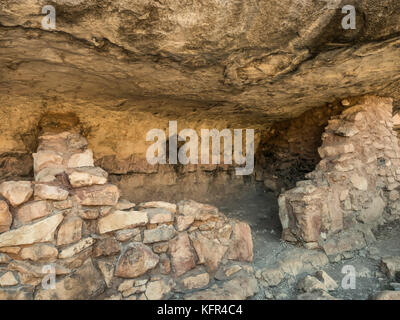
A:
181,254
241,246
136,260
16,192
209,252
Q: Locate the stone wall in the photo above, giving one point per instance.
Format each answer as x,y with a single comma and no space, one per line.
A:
289,149
355,184
72,221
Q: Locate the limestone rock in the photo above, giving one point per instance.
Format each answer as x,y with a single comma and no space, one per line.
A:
87,176
161,233
156,290
85,283
106,247
47,192
209,252
124,205
196,282
16,192
76,248
83,159
47,159
33,210
107,269
136,260
184,222
159,204
39,252
42,231
181,254
121,220
198,210
98,195
241,246
70,231
48,175
5,217
159,215
125,235
89,214
8,279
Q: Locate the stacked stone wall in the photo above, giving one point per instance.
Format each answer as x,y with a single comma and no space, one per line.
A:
71,223
355,185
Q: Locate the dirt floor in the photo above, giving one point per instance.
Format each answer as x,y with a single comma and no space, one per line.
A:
260,210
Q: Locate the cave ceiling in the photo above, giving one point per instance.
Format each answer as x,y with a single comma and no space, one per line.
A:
270,59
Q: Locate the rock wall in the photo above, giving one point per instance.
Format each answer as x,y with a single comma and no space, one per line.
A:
70,221
355,184
289,149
